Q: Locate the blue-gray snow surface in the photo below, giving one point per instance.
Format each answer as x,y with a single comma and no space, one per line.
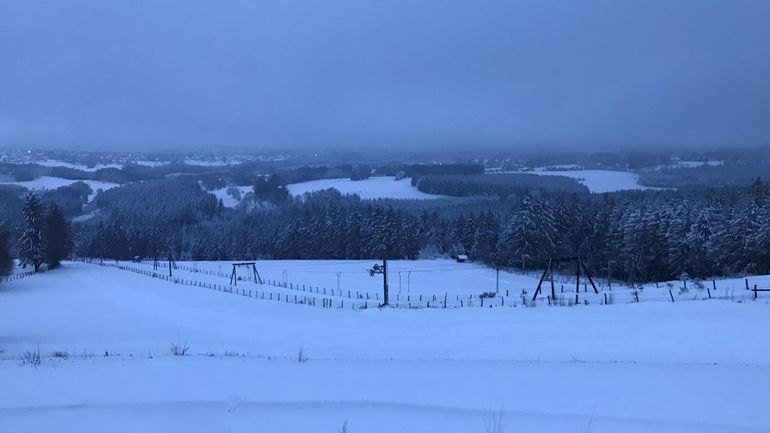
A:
105,335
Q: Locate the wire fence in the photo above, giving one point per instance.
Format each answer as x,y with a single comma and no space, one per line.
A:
16,276
316,296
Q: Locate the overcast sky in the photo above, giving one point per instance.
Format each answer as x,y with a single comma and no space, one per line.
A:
150,74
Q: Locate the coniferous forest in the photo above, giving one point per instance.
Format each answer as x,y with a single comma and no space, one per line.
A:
516,221
633,235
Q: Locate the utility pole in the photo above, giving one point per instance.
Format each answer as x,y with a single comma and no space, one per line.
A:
609,266
169,252
377,269
409,281
385,281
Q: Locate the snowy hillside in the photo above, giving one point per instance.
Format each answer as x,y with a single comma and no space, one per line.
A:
372,188
105,336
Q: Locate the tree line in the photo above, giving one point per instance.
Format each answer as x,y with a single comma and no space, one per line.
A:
44,237
631,235
500,185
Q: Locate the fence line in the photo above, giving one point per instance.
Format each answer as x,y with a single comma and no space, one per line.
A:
352,299
14,277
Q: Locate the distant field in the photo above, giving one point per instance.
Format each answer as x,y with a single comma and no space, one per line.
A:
58,163
372,188
599,181
227,199
50,182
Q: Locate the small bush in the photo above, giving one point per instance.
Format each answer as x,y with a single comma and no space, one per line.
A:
493,423
61,354
32,358
487,295
179,349
301,358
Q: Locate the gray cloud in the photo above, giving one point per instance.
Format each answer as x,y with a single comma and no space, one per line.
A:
170,74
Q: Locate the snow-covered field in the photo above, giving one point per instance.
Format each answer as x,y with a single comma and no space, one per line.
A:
640,367
207,162
148,163
424,283
58,163
227,199
50,182
690,164
599,181
372,188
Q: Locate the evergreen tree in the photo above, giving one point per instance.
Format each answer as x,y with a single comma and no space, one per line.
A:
699,241
630,248
352,236
464,233
6,261
655,227
56,233
528,235
111,241
678,228
731,255
486,237
757,241
32,242
286,244
572,227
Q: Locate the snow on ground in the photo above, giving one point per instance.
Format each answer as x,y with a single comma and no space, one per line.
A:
58,163
227,199
216,162
148,163
691,164
415,282
50,182
405,276
662,367
599,181
559,167
372,188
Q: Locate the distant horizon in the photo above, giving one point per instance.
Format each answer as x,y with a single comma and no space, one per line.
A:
479,150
